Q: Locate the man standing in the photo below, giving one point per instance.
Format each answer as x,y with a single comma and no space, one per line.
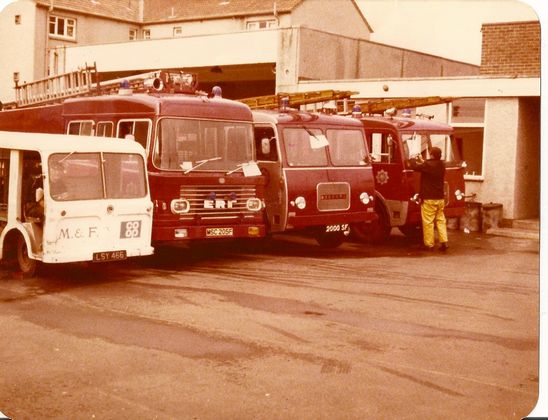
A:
431,192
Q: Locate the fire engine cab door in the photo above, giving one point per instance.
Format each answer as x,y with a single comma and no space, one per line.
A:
269,161
388,170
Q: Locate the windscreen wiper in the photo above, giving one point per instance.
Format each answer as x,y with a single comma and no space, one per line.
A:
201,162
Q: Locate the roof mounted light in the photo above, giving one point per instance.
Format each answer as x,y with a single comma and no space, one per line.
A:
125,88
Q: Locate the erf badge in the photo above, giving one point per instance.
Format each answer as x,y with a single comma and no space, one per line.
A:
382,177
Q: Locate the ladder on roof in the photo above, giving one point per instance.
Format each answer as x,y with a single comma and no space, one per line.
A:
372,106
296,99
85,81
55,88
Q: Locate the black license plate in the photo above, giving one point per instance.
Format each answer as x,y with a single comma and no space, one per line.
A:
109,256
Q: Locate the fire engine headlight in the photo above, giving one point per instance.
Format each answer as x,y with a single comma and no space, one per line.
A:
365,198
253,204
459,194
300,202
180,206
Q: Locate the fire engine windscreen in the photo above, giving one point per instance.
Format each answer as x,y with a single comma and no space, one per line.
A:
418,143
346,147
202,145
95,176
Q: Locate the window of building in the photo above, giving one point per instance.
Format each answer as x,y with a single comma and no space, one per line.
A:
132,34
146,33
467,117
260,24
62,27
177,31
18,19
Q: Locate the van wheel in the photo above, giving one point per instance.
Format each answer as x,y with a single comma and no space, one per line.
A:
330,240
27,265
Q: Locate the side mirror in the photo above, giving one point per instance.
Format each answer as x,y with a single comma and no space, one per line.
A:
265,146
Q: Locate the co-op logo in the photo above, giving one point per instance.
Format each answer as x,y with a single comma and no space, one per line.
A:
228,201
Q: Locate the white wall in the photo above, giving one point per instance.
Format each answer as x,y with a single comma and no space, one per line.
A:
223,49
17,46
500,147
340,17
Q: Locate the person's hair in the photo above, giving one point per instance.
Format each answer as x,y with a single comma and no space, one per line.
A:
435,152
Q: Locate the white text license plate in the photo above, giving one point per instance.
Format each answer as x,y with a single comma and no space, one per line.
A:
219,232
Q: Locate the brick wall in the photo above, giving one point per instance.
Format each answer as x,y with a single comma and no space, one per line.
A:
511,49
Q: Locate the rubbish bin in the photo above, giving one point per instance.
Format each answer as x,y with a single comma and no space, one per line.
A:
491,216
471,220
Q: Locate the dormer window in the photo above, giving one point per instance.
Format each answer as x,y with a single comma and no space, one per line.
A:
252,25
62,27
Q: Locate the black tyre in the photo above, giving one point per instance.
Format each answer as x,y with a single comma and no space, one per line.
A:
374,232
27,266
412,232
331,239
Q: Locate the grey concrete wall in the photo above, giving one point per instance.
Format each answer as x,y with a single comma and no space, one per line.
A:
326,56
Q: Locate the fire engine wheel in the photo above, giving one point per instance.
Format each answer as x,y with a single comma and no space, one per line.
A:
27,266
330,240
375,232
412,232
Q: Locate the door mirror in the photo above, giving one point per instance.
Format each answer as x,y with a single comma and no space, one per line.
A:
265,146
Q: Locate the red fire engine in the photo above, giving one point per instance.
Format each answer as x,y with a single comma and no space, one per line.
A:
318,173
203,177
392,142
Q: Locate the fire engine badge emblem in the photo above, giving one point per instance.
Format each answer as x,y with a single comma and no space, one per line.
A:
382,177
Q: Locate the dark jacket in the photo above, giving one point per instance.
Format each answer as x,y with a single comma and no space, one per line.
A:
432,178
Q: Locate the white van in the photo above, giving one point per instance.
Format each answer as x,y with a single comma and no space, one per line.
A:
71,199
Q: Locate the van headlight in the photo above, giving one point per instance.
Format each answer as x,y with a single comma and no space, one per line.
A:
253,204
180,206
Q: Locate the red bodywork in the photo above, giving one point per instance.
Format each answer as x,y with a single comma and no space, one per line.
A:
332,192
165,185
396,184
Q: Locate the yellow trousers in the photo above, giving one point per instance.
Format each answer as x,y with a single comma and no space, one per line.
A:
432,212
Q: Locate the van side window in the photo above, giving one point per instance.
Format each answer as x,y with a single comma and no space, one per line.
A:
105,129
264,152
4,181
80,128
33,205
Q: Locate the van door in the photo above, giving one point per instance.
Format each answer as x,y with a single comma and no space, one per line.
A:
269,161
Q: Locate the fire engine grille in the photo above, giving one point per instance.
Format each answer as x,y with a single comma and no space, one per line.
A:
218,202
333,196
